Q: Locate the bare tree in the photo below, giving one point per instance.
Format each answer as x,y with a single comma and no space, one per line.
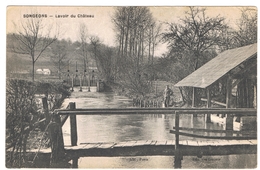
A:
59,51
247,27
33,38
192,42
195,35
131,26
83,36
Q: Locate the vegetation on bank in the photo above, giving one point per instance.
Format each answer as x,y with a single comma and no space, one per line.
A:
26,122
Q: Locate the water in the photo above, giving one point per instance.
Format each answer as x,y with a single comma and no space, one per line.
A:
119,128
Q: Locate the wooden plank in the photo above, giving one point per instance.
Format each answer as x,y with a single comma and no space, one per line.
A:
153,142
204,143
129,143
82,146
160,142
214,102
232,142
47,150
183,142
192,143
141,143
170,142
92,145
253,142
148,142
106,145
120,144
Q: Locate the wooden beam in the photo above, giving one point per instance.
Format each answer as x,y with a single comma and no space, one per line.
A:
56,141
236,82
193,97
214,137
208,119
73,125
214,102
217,131
229,118
177,154
124,111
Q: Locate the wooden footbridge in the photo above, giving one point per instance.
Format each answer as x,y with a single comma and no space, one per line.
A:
234,142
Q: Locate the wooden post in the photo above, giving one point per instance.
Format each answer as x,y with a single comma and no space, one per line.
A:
72,83
56,141
46,110
177,153
80,83
73,125
89,82
193,97
193,100
208,117
75,162
156,88
229,117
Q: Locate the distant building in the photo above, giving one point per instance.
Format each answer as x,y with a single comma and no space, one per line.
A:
43,71
39,71
47,71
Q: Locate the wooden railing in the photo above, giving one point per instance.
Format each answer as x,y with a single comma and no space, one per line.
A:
72,112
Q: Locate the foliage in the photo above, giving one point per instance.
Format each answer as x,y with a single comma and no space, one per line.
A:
24,114
59,55
21,117
137,35
247,27
191,42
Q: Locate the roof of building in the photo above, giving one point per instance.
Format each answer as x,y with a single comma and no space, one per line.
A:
218,67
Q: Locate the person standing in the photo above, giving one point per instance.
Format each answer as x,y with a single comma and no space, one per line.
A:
167,95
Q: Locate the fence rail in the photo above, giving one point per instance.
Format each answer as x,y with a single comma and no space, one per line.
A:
110,111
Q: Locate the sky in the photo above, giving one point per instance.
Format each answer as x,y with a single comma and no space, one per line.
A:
100,24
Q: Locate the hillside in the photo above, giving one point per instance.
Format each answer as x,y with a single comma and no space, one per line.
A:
22,63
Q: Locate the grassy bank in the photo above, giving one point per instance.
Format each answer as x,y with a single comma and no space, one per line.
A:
155,94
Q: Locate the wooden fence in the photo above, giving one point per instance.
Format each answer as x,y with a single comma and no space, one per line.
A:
60,116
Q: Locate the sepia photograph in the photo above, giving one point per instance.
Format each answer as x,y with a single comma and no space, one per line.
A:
116,87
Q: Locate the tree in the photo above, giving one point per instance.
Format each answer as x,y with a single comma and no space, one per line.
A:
59,51
132,30
195,35
131,25
104,57
33,39
247,27
83,36
192,42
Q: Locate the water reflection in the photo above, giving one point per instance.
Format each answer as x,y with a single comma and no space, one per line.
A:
120,128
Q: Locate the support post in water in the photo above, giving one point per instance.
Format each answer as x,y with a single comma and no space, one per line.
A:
56,141
73,125
208,116
193,100
73,133
177,153
72,83
46,110
229,117
80,83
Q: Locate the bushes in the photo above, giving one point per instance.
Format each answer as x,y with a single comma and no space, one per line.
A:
23,115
